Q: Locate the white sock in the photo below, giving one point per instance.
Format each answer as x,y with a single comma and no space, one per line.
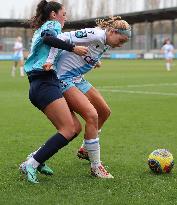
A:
21,71
168,66
93,148
83,143
32,154
33,162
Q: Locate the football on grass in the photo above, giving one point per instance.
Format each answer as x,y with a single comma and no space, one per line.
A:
161,161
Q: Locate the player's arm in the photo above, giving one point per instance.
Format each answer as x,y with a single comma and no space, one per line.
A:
50,39
56,44
81,37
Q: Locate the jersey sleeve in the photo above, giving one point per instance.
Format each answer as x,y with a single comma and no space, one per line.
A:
65,37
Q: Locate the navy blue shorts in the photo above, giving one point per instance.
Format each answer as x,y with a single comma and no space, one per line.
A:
44,88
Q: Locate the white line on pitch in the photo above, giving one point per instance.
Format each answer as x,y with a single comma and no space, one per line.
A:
141,85
137,92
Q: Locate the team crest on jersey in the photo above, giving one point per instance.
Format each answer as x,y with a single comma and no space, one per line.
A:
80,34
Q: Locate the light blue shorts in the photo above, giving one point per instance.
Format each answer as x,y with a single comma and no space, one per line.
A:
82,84
18,57
169,56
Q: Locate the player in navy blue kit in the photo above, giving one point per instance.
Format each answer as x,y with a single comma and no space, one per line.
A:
45,92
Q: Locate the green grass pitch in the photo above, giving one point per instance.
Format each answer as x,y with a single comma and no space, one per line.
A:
143,99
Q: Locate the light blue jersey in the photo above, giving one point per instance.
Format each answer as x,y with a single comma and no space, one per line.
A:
168,50
71,67
69,64
40,51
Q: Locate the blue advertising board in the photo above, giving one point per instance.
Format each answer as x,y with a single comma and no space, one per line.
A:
123,56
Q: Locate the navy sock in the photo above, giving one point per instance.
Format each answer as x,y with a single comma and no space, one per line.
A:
51,147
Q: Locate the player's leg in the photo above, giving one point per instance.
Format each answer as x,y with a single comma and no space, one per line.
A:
99,104
77,125
14,68
80,104
59,114
43,168
48,98
168,65
21,64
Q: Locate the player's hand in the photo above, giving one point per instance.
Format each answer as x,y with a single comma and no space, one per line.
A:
80,50
47,66
98,65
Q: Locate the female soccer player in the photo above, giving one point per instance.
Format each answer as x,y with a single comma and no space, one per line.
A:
18,57
168,50
45,93
80,95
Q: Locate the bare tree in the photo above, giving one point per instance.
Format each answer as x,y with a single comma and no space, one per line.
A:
101,8
90,8
152,4
33,8
12,13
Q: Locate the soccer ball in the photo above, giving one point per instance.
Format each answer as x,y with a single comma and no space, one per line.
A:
161,161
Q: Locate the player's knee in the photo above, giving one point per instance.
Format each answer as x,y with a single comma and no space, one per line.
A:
92,116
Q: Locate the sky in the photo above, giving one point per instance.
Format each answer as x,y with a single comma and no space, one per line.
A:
18,6
21,8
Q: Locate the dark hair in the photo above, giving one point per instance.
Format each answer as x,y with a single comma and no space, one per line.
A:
43,11
165,41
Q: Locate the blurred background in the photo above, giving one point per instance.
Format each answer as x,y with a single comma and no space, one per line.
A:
152,21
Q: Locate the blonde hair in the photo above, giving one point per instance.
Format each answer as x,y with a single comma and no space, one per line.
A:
115,23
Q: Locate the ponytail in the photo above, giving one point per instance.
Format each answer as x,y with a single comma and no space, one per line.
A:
43,11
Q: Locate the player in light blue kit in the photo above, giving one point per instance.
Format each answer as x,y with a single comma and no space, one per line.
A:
80,95
168,50
45,92
18,57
